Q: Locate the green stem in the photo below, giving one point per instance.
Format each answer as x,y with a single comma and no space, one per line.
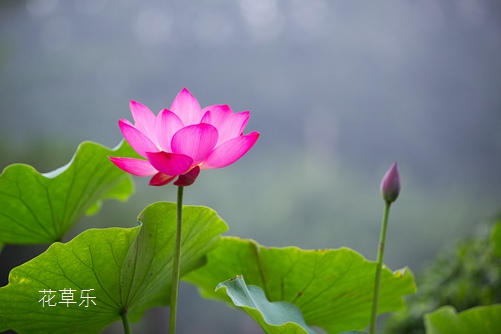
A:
379,267
126,322
177,262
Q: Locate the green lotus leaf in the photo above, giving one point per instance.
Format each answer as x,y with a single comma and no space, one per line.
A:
274,318
40,208
111,271
481,319
333,288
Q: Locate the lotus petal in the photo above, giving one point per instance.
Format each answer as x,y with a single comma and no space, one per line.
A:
160,179
170,163
230,151
196,141
138,140
134,166
228,124
187,108
167,124
144,119
188,178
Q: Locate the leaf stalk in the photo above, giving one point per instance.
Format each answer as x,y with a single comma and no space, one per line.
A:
126,322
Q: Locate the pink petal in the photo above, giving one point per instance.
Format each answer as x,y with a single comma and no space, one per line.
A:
196,141
144,118
167,124
187,108
134,166
206,117
160,179
188,178
170,163
230,151
138,140
228,124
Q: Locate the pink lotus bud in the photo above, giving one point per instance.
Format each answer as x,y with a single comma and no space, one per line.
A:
390,186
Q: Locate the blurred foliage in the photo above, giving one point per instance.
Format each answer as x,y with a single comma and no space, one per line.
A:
464,276
480,319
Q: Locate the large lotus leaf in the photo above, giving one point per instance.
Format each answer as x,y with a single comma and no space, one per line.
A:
129,270
40,208
274,318
481,319
333,288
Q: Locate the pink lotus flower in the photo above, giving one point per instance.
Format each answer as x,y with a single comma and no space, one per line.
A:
184,139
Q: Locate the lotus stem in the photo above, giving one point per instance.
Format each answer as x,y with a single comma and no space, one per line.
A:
379,267
126,322
177,262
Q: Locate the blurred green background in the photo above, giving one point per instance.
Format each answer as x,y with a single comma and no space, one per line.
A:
338,89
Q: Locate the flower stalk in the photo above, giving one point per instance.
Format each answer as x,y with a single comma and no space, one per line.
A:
379,267
177,262
390,189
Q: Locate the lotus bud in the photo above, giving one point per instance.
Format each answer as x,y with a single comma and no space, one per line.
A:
390,186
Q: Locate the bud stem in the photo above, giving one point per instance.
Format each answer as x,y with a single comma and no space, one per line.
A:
379,266
177,262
